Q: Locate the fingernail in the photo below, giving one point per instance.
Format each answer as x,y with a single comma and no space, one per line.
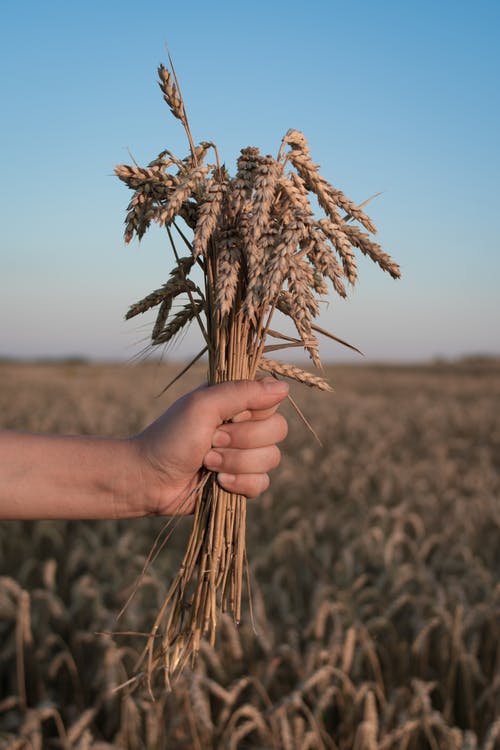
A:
276,386
226,478
213,459
221,439
243,416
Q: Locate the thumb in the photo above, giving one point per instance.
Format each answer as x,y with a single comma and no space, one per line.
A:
236,396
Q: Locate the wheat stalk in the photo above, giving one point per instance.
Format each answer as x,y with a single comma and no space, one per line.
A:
261,249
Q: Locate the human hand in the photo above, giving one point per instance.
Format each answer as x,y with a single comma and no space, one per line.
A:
231,428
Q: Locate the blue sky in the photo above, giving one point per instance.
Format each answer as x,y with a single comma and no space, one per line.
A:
395,97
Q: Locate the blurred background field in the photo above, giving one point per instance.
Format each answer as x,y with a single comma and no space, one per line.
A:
374,558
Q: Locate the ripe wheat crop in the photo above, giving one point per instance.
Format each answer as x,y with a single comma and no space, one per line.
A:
374,561
262,253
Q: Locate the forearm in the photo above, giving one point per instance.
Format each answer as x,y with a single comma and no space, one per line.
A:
45,476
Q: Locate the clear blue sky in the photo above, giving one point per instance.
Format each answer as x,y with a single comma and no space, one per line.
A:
392,96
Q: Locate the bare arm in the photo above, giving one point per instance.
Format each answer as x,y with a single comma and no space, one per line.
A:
45,476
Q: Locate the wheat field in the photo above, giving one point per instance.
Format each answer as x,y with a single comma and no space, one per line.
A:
374,565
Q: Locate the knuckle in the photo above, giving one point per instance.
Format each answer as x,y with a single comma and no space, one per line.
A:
275,457
256,485
282,426
196,399
265,482
240,388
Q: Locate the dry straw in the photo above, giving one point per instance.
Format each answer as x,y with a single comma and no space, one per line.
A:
263,254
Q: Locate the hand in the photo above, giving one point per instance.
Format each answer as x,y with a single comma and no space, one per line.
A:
231,428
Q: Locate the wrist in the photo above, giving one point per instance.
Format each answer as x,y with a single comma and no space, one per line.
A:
161,489
141,494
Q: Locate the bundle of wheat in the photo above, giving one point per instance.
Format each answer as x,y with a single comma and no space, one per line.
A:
261,250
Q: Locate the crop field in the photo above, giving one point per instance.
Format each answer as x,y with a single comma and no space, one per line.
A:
374,570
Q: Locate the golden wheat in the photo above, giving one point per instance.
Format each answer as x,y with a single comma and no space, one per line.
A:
394,455
260,249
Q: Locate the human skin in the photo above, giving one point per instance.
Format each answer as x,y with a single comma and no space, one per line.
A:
232,429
